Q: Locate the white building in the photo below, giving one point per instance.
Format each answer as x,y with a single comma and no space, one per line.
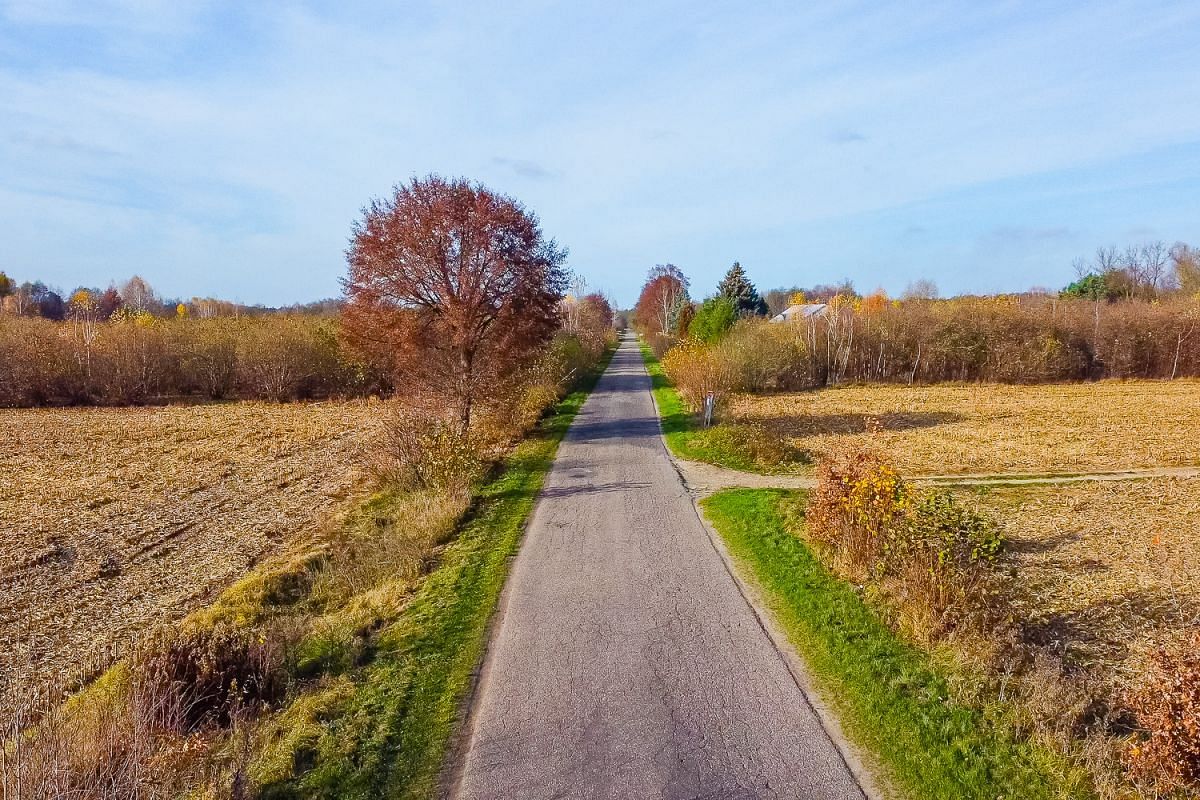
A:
800,312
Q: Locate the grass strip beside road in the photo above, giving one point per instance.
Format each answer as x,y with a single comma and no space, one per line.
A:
891,698
683,437
387,732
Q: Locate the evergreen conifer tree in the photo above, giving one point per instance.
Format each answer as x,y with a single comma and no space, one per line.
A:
738,288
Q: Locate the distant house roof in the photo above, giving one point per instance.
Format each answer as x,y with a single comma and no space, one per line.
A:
801,311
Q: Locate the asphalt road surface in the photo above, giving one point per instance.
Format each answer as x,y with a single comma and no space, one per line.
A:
626,663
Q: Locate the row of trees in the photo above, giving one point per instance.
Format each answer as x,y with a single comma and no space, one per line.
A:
1149,328
665,311
1150,271
1009,339
136,295
137,358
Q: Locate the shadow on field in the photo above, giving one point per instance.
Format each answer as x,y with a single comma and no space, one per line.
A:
1101,629
801,424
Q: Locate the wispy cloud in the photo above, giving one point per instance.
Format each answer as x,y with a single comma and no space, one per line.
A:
523,167
234,144
846,136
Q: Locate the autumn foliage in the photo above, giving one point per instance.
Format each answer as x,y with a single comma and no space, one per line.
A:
453,288
1165,757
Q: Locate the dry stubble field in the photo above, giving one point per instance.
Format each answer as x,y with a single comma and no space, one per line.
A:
113,519
1105,570
989,428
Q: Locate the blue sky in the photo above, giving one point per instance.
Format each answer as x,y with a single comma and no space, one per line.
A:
225,148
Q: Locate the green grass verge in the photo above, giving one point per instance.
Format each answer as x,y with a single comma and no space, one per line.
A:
684,437
383,730
891,697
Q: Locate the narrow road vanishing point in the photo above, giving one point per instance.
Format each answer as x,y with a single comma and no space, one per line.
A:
626,662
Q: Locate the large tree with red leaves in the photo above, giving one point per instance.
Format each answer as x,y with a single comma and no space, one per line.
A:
663,294
454,286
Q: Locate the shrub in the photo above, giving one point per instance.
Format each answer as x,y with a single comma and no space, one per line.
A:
184,678
136,357
858,509
422,449
713,319
660,343
935,557
210,358
697,369
1165,757
766,355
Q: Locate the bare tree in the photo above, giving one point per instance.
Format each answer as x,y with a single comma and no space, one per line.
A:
454,286
1186,261
138,295
920,289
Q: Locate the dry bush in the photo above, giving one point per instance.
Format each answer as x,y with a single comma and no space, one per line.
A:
422,448
142,732
285,358
189,677
859,503
931,556
1165,757
209,357
697,369
1006,339
35,361
766,355
133,363
660,343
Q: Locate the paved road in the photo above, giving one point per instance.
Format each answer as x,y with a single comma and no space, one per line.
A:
627,664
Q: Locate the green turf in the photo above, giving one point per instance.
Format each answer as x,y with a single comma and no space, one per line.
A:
891,698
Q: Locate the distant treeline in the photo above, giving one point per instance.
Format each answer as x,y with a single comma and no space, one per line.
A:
1004,339
36,299
135,357
1011,339
1130,314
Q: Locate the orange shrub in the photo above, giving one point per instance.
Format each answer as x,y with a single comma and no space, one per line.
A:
931,555
1165,758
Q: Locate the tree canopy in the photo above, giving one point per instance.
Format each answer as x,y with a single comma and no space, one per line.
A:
454,286
715,316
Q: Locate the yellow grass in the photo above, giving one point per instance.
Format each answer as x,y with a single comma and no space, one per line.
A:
1105,569
995,428
113,519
